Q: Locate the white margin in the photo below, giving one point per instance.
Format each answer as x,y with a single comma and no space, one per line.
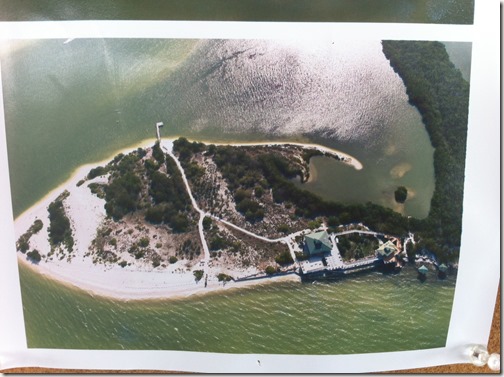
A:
479,270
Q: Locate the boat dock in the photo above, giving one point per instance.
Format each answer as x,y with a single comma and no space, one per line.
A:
158,126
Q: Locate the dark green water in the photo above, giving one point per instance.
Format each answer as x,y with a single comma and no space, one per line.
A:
88,98
406,11
70,104
368,313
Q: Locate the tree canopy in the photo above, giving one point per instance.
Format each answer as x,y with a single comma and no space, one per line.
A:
401,194
441,95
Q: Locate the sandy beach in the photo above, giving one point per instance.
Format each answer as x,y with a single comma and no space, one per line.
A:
129,284
111,280
134,282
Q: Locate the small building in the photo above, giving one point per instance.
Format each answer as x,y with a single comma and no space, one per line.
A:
387,250
423,270
442,267
317,243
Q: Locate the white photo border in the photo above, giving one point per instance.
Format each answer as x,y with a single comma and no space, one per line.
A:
479,270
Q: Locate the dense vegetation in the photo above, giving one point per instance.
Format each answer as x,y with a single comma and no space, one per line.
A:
441,95
198,275
60,231
153,185
224,277
23,243
34,256
357,246
401,194
171,200
284,258
272,171
121,195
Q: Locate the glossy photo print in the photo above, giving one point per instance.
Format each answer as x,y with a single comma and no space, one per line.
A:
286,191
225,188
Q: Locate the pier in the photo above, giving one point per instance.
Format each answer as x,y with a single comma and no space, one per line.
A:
158,126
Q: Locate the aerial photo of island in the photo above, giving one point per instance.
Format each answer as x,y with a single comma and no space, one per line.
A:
238,196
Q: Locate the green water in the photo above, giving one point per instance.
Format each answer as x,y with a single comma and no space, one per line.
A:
70,104
88,98
424,11
368,313
75,102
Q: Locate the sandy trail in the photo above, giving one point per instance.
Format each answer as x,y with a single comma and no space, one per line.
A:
86,212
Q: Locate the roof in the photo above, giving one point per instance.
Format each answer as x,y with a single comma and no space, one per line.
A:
318,242
387,249
423,269
442,267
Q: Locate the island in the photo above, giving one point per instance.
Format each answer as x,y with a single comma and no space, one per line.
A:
176,217
182,217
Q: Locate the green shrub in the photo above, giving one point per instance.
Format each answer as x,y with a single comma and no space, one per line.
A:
23,244
198,275
283,228
144,242
401,194
300,256
284,258
224,277
158,154
34,255
96,172
270,270
258,191
207,223
218,243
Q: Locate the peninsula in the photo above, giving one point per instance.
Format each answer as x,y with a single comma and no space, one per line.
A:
182,217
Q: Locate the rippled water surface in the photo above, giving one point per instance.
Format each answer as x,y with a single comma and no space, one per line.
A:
88,98
67,104
366,313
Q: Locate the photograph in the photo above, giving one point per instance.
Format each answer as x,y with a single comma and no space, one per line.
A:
238,196
455,12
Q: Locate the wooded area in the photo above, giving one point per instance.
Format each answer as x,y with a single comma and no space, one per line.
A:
441,95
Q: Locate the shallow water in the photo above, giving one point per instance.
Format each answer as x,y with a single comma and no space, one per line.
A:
69,104
365,313
74,103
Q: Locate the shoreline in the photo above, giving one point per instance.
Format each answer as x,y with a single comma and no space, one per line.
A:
149,142
140,282
146,293
347,159
83,170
